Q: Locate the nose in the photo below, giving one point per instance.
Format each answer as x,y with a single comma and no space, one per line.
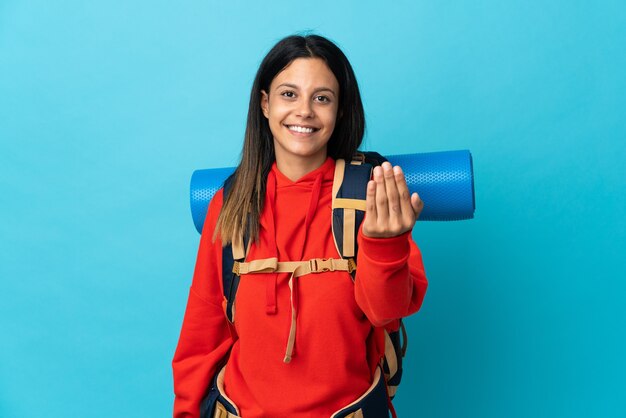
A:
305,109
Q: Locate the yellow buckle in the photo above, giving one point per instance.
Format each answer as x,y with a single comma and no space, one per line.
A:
358,159
319,265
351,265
236,268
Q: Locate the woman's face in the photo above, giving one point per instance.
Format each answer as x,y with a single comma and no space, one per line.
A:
301,107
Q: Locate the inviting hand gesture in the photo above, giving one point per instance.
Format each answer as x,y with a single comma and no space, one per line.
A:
390,210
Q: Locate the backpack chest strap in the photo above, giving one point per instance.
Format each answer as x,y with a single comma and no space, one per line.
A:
297,268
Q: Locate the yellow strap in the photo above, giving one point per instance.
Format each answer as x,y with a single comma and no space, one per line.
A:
349,224
299,268
341,203
390,356
221,412
358,159
340,166
291,340
265,265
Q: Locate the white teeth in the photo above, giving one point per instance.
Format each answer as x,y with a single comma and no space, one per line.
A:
300,129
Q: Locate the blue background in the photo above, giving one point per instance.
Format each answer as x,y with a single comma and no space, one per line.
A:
107,107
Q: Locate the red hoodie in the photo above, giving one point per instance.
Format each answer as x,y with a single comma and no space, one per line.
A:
332,362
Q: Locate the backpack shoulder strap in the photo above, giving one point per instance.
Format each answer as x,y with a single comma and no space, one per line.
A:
234,251
348,201
349,193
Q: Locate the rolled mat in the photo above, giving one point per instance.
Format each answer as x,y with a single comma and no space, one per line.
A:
444,181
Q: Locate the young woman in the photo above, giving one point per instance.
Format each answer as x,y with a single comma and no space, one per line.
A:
305,112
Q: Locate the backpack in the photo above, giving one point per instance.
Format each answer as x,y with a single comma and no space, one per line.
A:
348,211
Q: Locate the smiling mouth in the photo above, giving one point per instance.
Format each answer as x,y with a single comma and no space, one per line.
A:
301,129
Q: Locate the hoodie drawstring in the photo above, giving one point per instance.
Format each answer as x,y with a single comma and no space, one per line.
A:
293,282
272,281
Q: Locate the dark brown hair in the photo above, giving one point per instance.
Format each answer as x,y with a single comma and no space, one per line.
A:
242,207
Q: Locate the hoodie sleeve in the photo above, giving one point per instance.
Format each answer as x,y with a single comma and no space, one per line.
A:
390,280
205,337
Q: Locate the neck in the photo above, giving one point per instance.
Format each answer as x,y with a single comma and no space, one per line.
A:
296,168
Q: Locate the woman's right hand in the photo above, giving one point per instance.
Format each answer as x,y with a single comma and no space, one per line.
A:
390,208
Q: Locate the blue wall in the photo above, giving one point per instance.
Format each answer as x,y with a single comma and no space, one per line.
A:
107,107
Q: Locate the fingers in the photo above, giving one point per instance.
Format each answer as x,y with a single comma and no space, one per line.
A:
393,198
370,200
391,210
403,191
382,207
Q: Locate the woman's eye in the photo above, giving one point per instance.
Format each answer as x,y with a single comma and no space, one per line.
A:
288,93
323,99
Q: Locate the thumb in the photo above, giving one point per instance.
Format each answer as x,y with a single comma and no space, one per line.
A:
417,204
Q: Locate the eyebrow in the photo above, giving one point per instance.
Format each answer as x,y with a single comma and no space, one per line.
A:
317,90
